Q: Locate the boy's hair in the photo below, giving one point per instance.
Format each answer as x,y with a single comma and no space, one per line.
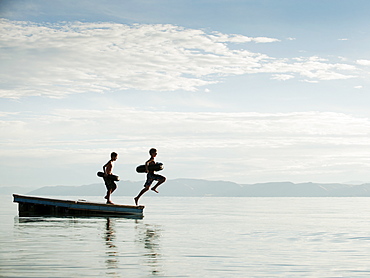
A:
113,154
152,150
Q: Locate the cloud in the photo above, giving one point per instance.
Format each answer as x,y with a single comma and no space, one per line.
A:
55,60
363,62
282,77
246,123
247,144
219,37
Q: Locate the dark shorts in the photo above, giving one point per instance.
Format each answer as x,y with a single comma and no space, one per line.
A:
150,177
109,183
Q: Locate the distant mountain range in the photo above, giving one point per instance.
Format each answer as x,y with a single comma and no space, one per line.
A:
200,188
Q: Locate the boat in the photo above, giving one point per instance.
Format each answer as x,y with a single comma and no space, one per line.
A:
29,206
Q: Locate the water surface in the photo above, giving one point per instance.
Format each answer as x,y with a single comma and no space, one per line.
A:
194,237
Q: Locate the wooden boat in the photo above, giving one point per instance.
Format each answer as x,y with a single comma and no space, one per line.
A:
37,206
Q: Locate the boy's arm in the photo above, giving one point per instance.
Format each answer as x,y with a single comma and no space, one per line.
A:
106,167
147,165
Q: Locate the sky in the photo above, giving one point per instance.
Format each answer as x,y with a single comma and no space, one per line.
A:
245,91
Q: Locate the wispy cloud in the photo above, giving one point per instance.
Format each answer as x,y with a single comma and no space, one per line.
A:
282,77
363,62
68,58
249,143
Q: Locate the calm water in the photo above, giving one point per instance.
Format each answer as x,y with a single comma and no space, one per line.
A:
194,237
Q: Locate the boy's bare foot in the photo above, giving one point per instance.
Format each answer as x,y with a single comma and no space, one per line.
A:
136,200
109,203
155,190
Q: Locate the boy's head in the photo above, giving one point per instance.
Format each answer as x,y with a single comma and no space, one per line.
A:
153,152
113,156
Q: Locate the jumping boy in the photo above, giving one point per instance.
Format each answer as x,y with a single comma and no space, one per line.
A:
109,182
150,177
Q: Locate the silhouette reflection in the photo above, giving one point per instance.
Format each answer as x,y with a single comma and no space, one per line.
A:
125,245
146,235
149,235
111,251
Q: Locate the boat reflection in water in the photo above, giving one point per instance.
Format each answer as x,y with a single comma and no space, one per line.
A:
105,246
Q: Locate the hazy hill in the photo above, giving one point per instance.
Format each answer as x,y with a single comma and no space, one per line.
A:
199,188
8,190
178,187
289,189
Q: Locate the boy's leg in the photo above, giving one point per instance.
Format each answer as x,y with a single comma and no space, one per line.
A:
161,180
109,192
111,186
145,189
106,181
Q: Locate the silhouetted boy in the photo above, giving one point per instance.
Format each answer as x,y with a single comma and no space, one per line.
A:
108,176
150,177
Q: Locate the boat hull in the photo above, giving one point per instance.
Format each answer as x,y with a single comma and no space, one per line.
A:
29,206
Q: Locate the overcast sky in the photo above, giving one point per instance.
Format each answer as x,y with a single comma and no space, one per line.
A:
245,91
